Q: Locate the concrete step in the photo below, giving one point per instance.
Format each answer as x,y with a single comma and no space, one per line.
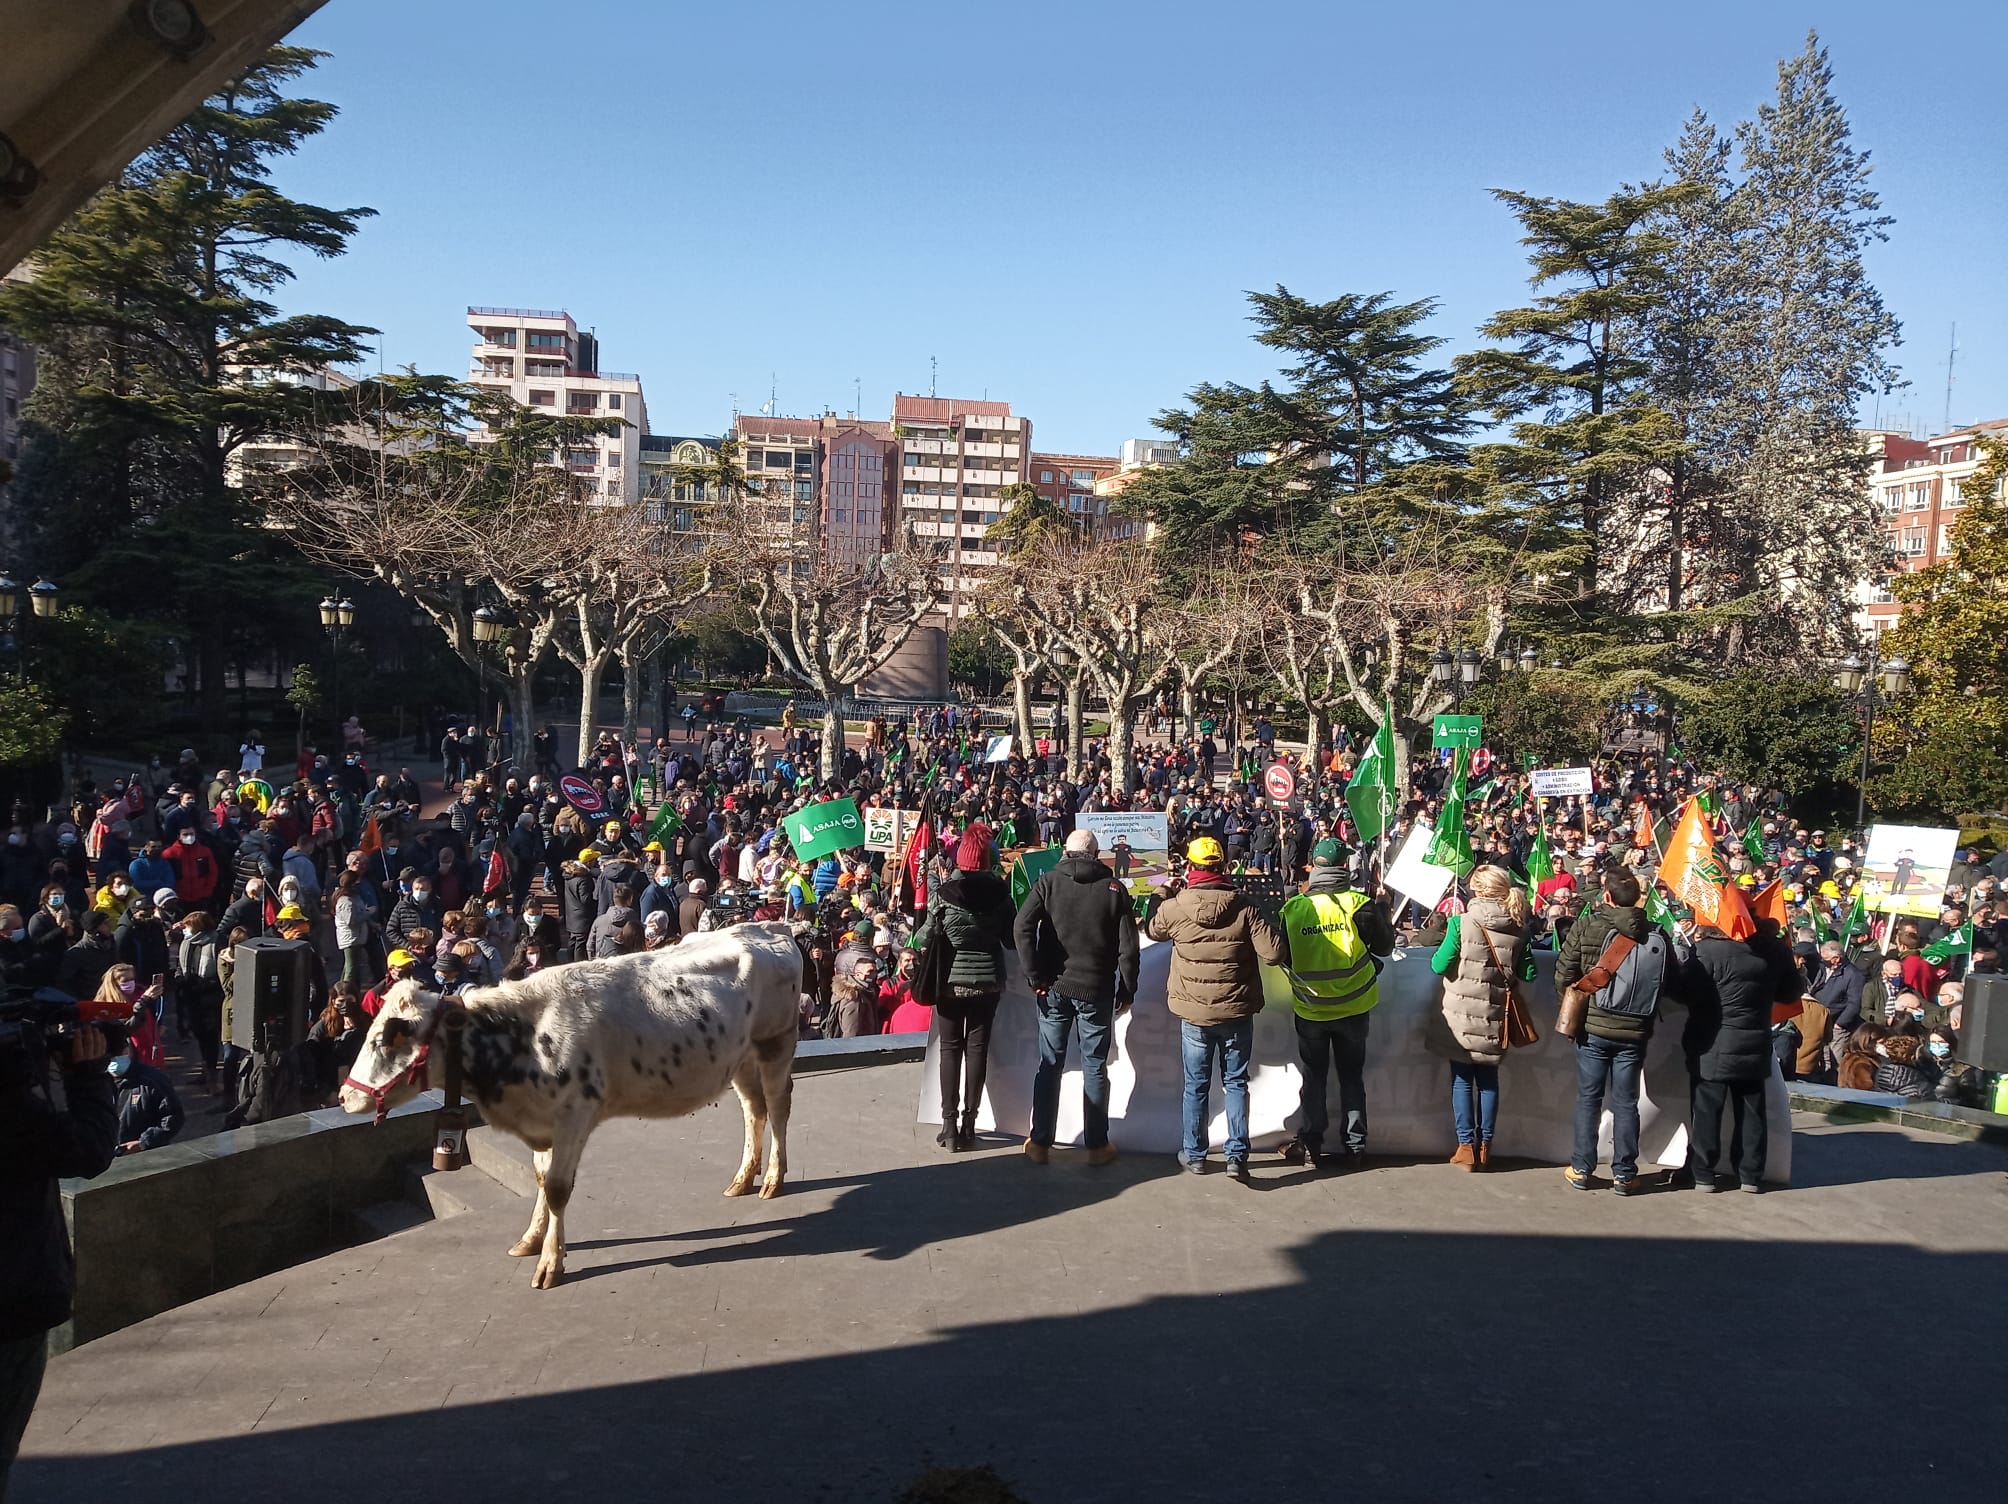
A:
381,1219
503,1157
449,1193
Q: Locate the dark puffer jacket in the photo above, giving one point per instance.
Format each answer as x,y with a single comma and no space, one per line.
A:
37,1274
1729,987
973,909
1076,932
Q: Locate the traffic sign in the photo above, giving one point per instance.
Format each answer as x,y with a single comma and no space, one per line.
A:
583,796
1280,782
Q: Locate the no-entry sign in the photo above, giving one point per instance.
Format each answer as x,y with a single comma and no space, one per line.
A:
583,796
1280,782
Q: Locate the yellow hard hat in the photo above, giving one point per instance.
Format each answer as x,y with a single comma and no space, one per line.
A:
291,912
1205,852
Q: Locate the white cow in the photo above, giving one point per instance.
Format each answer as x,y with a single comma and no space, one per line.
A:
653,1035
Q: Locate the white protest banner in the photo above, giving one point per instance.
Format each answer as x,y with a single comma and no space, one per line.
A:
1906,866
1560,783
1144,830
1413,877
999,750
888,829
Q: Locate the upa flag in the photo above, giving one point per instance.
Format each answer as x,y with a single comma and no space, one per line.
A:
1450,847
1693,872
372,838
1768,902
1371,795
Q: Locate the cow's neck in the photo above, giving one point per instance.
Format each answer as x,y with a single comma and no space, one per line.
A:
498,1048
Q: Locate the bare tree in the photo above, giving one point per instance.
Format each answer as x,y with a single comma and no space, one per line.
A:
830,623
1212,622
1098,599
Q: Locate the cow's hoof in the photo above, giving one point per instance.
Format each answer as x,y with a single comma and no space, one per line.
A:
740,1186
769,1189
547,1276
522,1248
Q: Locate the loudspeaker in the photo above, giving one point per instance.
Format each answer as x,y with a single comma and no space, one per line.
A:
1983,1032
267,1007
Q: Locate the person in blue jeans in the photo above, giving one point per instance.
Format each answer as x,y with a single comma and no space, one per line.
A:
1076,938
1219,943
1622,960
1484,950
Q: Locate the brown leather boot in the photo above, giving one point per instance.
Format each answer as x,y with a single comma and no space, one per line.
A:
1035,1152
1105,1155
1485,1156
1466,1157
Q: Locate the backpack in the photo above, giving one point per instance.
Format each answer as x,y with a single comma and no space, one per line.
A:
1635,985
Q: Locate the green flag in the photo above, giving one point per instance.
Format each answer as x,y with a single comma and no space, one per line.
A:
1657,911
1029,868
1540,866
1371,795
664,825
1753,843
1450,847
822,828
1820,931
1958,943
1857,920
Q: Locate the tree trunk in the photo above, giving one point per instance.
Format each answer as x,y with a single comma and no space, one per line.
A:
1021,709
523,706
1188,710
212,680
592,668
1077,698
834,702
630,694
1122,737
1314,734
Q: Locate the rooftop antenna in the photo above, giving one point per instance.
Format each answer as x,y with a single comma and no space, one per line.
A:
773,389
1951,355
858,382
930,375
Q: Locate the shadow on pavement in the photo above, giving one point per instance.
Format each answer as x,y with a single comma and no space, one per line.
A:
1848,1156
1392,1367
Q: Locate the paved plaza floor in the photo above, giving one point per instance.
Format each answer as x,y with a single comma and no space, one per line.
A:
1131,1333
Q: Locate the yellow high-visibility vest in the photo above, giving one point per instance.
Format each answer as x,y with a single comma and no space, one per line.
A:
1331,974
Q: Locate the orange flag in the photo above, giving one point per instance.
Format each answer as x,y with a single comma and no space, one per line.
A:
1768,902
1693,870
371,839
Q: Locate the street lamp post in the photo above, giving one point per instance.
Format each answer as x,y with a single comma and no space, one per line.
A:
1872,686
16,605
337,616
1458,675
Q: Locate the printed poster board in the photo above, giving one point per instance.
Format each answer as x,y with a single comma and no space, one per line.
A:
1410,875
1135,845
1563,783
1905,869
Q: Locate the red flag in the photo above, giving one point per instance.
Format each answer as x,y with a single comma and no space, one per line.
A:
498,871
914,867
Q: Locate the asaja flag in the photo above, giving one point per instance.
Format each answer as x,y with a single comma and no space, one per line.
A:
1958,943
1693,872
1753,844
1657,911
819,829
1450,847
1857,920
372,838
1371,794
1768,902
664,825
1029,868
1820,931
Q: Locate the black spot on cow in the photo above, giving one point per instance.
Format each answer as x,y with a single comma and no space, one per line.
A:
634,1063
564,1077
547,1044
590,1091
749,1005
711,1049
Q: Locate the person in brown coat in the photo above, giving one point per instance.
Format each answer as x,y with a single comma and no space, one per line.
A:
1483,951
1219,942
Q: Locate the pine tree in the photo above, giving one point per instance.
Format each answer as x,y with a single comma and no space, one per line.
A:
165,356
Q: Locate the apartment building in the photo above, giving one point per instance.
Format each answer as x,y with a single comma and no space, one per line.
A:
1918,484
955,457
540,358
856,499
670,489
1068,481
264,456
783,459
1140,454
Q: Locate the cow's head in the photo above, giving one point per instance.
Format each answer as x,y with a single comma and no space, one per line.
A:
390,1069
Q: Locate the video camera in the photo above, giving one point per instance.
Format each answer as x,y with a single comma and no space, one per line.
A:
46,1019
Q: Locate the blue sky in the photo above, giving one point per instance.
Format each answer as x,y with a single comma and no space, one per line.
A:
1063,203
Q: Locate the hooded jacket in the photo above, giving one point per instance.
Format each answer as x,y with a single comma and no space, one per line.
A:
973,910
1076,932
47,1136
1729,987
1219,940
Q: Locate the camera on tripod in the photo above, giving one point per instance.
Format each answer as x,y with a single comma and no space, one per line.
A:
46,1019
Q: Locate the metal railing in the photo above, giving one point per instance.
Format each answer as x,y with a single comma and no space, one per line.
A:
520,313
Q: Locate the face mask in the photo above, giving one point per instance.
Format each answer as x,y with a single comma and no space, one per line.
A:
129,988
664,881
1940,1048
119,890
67,839
420,895
187,838
390,850
17,936
14,838
494,913
1918,1014
119,1065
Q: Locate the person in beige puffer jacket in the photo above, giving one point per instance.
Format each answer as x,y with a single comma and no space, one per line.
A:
1219,941
1485,947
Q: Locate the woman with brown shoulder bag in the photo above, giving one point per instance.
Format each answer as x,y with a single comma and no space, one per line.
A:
1487,974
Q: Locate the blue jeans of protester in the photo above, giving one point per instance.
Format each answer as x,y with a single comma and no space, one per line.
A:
1058,1017
1323,1043
1468,1079
1233,1043
1620,1062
